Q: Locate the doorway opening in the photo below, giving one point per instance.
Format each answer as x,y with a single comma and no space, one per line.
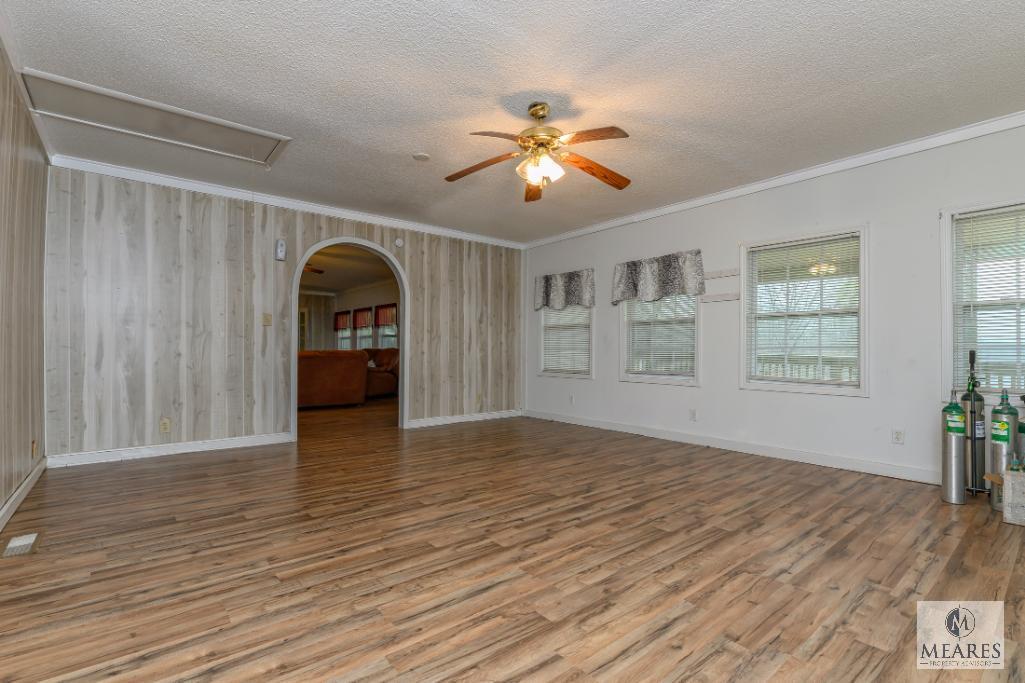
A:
350,338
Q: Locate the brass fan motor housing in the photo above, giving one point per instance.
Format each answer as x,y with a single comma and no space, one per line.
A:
540,136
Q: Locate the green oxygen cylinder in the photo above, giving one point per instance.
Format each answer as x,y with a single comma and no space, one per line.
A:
1003,434
1020,449
953,468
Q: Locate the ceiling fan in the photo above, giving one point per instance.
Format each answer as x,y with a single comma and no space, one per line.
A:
540,145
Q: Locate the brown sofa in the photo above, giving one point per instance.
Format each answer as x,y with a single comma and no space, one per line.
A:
383,379
332,378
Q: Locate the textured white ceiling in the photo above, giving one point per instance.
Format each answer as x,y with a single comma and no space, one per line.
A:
713,94
345,267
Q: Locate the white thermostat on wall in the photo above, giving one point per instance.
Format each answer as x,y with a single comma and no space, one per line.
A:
280,250
399,242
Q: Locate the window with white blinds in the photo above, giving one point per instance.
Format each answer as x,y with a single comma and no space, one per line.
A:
989,297
804,311
566,340
388,336
660,338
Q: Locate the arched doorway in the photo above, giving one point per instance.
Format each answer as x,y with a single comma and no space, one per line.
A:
403,317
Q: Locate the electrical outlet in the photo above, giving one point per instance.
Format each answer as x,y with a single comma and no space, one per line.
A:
693,414
897,437
268,320
35,448
165,425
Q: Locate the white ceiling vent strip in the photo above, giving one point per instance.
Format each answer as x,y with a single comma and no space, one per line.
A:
70,100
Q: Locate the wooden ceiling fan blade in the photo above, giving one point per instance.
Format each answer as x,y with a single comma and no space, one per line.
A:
496,134
593,134
593,168
533,193
484,164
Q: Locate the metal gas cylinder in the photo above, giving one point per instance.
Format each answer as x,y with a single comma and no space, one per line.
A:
953,475
1003,436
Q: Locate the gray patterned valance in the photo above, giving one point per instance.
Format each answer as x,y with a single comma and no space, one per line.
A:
558,291
651,279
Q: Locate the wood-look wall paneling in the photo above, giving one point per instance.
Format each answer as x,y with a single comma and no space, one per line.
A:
320,320
22,252
157,297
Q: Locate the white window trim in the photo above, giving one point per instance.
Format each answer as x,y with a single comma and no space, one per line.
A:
861,391
946,224
541,372
673,380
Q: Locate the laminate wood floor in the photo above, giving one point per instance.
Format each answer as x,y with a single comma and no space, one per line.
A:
515,549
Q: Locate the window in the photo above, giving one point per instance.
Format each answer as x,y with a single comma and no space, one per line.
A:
363,321
566,341
989,297
343,330
386,326
303,332
660,339
803,315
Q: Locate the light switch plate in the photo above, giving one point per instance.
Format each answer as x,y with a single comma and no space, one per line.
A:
280,250
268,320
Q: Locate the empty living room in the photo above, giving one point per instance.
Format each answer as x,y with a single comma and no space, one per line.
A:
449,341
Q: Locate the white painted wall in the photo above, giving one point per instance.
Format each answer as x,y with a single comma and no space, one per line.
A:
374,294
900,199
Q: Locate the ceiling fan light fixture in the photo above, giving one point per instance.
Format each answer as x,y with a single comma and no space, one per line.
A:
539,153
540,169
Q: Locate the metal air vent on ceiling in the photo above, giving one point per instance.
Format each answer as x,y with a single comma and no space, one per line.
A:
70,100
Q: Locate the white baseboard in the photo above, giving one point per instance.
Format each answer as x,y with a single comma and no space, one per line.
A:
12,503
453,419
837,461
118,454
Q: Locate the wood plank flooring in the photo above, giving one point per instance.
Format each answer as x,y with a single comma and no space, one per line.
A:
515,549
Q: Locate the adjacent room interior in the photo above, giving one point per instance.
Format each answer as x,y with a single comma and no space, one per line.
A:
475,342
348,334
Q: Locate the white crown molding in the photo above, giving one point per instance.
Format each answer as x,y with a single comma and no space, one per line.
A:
157,450
8,509
127,173
969,132
454,419
840,462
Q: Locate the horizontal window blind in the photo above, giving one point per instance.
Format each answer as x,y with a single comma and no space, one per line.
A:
989,297
566,340
388,336
364,338
363,321
803,317
661,336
